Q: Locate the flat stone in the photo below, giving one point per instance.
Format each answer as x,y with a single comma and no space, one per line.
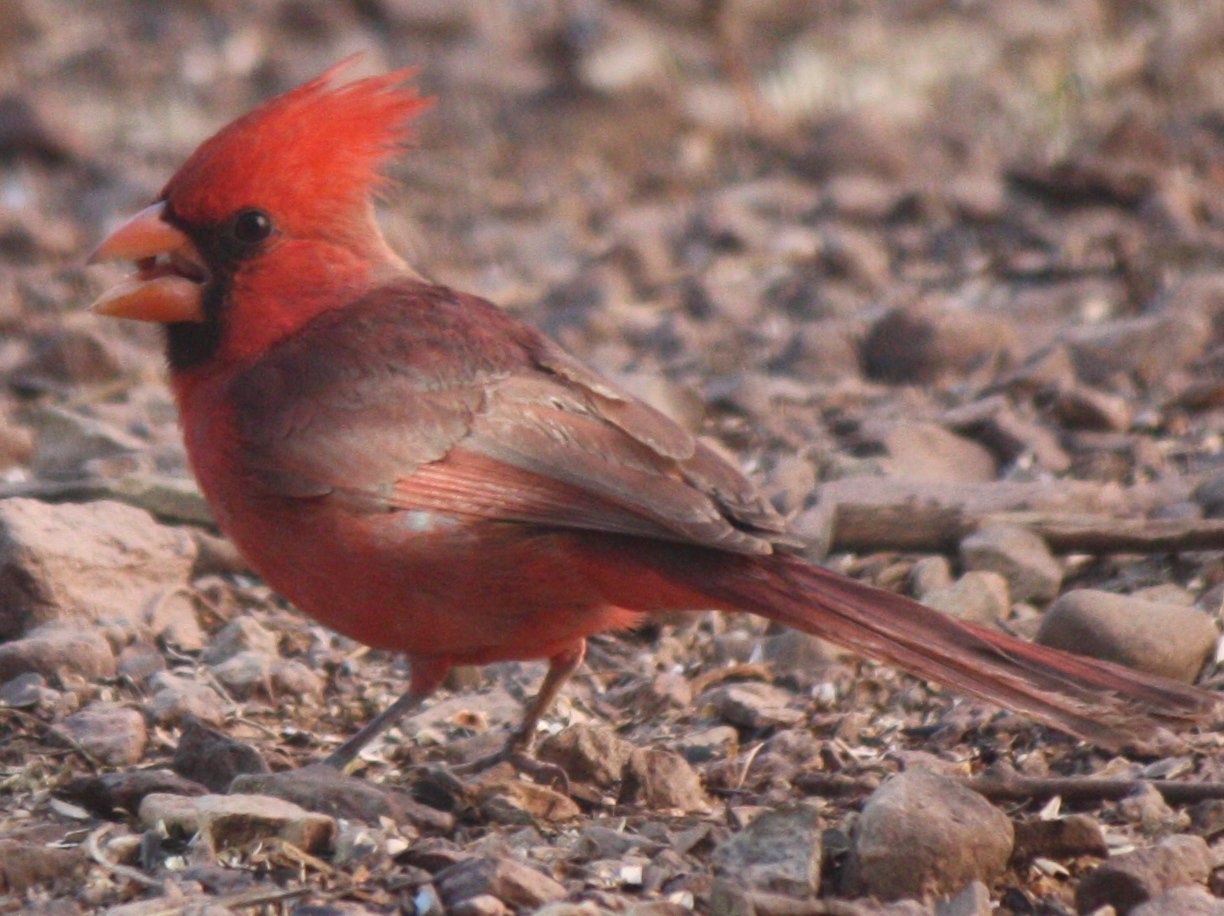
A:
929,574
701,745
924,344
1210,494
536,802
228,821
178,814
433,854
66,442
507,879
481,905
122,791
73,353
236,820
139,661
597,842
297,679
174,620
752,704
27,691
1146,348
780,852
97,560
801,656
328,791
1011,435
1080,407
1147,809
651,696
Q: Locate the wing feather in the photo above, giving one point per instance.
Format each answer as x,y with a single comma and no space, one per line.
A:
418,398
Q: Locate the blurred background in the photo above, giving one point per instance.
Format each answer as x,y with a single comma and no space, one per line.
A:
767,206
906,256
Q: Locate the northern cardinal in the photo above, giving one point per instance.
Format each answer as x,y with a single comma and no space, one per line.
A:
421,472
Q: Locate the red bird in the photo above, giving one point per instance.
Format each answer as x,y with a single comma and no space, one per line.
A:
421,472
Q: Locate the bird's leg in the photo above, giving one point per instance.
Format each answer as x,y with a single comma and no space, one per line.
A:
427,674
517,749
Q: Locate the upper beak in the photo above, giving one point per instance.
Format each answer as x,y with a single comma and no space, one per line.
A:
170,275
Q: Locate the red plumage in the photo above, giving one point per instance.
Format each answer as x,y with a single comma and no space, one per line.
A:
422,472
320,146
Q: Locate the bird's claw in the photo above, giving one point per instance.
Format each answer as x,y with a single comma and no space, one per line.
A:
519,757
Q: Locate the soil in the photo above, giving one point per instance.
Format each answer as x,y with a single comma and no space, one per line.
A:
918,267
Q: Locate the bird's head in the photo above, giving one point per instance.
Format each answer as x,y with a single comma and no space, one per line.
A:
268,223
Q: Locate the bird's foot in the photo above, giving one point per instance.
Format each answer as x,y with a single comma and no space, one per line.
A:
517,753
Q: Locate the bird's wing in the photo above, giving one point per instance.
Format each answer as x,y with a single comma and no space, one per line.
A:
419,398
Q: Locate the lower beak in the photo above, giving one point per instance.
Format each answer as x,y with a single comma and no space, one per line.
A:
169,281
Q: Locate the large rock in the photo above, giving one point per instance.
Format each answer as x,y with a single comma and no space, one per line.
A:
1166,639
230,821
98,560
921,834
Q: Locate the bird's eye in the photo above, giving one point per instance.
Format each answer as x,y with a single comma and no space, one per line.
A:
251,226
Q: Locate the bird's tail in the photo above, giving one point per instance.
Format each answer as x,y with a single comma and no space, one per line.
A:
1107,704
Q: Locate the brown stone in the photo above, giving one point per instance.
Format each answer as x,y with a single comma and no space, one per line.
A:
921,834
322,788
110,734
55,650
1171,640
98,560
502,877
1127,880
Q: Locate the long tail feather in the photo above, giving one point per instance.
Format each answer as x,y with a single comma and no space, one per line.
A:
1107,704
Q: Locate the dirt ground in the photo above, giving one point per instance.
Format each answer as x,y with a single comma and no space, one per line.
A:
920,267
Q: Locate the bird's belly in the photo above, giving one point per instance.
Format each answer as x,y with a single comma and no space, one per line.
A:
426,584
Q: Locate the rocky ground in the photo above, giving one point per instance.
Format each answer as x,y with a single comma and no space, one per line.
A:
948,278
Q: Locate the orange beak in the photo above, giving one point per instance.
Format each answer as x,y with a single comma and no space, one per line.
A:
168,286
